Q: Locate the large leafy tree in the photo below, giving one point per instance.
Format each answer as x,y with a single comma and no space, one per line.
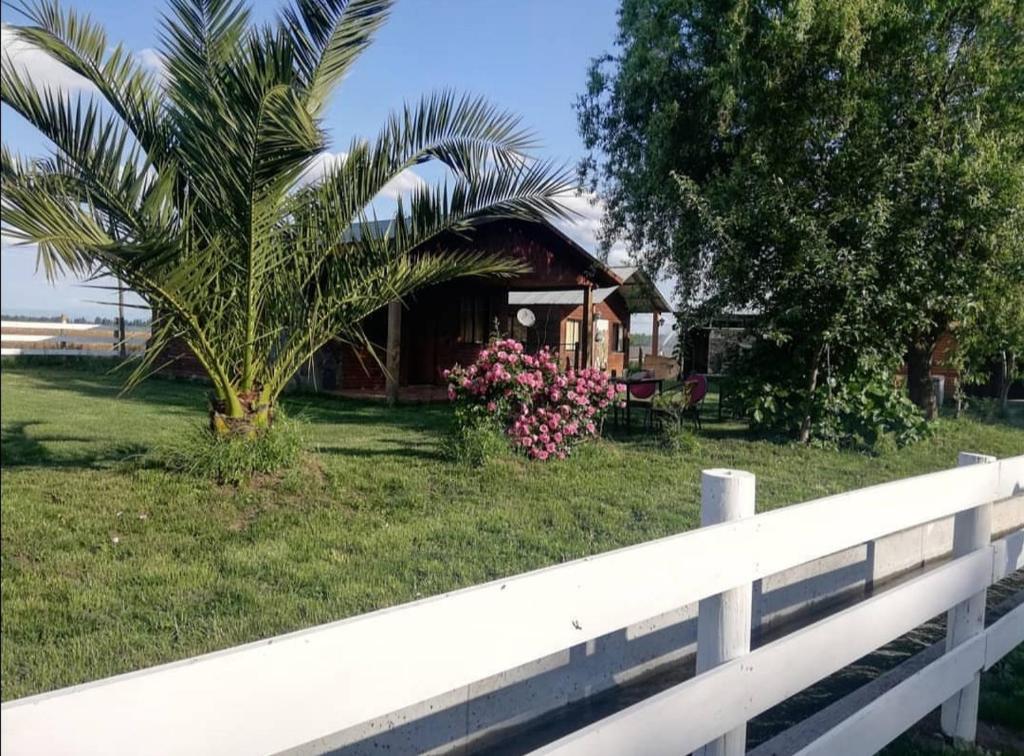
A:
847,169
188,185
943,81
990,339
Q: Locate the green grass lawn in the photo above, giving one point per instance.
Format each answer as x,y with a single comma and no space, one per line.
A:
109,565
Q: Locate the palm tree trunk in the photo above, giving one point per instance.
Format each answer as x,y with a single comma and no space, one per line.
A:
1007,369
243,414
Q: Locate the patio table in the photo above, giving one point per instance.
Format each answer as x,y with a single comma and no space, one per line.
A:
658,382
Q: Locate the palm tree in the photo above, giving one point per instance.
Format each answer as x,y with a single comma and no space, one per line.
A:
188,185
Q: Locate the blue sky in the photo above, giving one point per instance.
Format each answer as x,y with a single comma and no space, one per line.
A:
526,55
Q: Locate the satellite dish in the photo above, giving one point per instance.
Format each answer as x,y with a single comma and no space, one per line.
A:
526,317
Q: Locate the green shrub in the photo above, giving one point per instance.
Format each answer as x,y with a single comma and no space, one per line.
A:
678,440
474,439
235,460
857,403
673,435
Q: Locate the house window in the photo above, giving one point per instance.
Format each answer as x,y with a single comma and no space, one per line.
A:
572,333
473,320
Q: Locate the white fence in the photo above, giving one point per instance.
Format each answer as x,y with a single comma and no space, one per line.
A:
298,692
27,338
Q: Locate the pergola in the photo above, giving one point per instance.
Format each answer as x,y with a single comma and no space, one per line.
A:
642,296
633,286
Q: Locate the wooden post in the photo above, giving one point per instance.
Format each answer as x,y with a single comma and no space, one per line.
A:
654,332
121,335
625,347
394,352
972,529
62,343
723,621
587,337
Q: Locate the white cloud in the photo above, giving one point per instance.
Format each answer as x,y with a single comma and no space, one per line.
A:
152,60
400,185
585,228
319,166
45,72
40,68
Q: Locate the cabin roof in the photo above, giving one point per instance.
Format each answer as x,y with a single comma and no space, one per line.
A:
600,273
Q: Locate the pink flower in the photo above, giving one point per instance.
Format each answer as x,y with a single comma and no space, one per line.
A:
547,410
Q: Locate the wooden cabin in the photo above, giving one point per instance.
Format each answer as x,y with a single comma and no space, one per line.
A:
581,311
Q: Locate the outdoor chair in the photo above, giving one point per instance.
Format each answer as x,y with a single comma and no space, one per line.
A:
641,397
698,389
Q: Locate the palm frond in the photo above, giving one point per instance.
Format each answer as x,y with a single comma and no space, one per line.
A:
327,37
74,40
187,189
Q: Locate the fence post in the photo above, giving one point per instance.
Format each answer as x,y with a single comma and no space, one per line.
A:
972,529
723,621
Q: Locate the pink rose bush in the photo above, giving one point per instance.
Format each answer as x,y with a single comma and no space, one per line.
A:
545,411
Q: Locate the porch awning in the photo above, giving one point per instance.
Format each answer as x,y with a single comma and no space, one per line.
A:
639,291
571,297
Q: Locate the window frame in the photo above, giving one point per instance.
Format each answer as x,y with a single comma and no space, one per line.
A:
474,311
573,324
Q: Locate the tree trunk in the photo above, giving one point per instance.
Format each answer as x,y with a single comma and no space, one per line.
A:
919,375
1007,365
255,417
812,386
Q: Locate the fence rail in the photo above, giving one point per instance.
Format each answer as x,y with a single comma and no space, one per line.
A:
298,690
27,338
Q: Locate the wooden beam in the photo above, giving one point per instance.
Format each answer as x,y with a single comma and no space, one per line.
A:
394,352
587,337
655,316
625,346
